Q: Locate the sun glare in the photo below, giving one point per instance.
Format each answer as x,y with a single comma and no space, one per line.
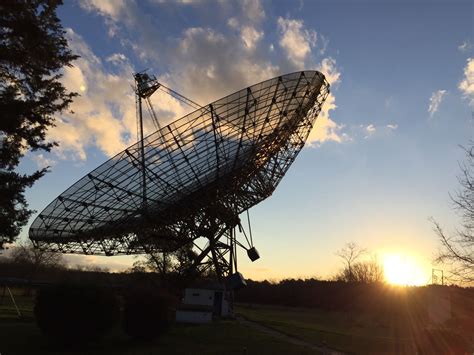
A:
401,270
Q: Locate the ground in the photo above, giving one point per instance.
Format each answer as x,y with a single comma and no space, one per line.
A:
21,336
360,333
260,329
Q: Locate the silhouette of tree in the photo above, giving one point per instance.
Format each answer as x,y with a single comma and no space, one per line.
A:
33,50
457,250
366,271
25,253
163,263
350,254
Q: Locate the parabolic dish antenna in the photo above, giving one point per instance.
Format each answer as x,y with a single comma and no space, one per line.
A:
190,179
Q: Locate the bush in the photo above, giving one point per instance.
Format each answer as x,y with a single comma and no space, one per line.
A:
147,313
73,313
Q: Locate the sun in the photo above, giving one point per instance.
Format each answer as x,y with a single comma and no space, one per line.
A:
402,270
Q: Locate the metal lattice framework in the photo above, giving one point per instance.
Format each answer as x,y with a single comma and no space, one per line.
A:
190,179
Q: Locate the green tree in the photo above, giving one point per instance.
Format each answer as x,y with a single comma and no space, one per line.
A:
33,50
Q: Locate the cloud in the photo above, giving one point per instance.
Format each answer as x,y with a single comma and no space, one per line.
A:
325,129
467,84
392,126
233,23
435,100
465,46
295,40
298,43
253,10
329,68
103,116
96,262
324,44
41,161
250,37
117,58
108,8
370,128
217,66
111,10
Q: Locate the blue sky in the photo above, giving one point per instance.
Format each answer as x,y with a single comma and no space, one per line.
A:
382,157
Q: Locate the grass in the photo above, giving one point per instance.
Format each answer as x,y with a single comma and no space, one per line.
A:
225,337
348,332
22,336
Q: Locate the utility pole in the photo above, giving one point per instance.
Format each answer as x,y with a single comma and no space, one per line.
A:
435,276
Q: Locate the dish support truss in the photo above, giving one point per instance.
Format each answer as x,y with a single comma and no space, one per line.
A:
191,179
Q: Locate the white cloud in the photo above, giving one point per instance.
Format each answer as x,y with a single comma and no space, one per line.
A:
41,161
467,84
117,58
325,129
296,40
108,8
253,10
203,63
465,46
250,36
435,100
233,23
392,126
369,130
329,69
324,44
104,114
215,53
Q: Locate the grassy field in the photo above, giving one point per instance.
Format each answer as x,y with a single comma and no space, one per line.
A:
224,337
352,333
347,332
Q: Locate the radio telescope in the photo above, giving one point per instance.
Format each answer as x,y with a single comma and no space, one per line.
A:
189,180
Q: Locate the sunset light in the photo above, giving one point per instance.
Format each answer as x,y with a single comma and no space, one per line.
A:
402,270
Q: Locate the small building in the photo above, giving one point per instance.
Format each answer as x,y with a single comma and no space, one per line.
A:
201,305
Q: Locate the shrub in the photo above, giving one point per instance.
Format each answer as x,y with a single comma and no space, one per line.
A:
73,313
147,313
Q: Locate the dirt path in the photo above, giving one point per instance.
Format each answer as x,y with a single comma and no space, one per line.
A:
282,336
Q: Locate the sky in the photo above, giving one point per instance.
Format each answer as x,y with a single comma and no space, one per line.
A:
383,155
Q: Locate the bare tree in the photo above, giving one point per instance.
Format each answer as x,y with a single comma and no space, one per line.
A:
366,271
457,250
155,261
164,263
350,255
25,253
